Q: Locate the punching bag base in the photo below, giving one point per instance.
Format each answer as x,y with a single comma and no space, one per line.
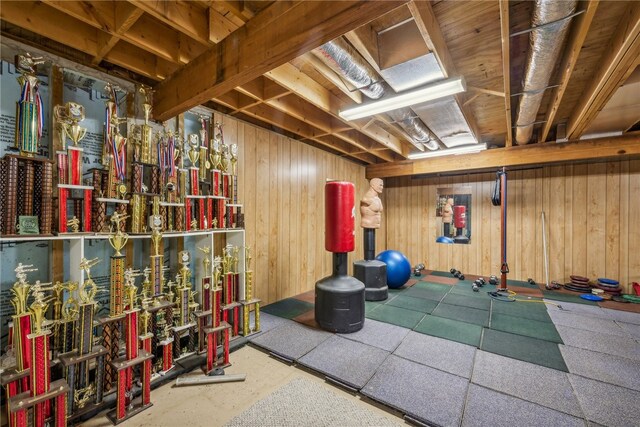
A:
340,304
373,274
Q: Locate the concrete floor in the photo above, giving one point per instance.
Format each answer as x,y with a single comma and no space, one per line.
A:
216,404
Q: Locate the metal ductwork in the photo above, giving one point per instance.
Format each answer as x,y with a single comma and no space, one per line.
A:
545,47
347,63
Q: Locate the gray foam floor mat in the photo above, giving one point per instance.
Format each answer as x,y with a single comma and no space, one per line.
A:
424,393
449,356
379,334
586,322
596,341
607,404
291,340
602,367
537,384
269,322
623,316
489,408
349,362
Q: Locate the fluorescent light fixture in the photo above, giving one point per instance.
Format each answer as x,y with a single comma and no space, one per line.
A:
467,149
423,94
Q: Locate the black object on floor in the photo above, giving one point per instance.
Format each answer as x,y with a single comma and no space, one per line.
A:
370,271
340,299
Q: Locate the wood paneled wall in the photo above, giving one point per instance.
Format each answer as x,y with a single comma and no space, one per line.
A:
281,184
592,213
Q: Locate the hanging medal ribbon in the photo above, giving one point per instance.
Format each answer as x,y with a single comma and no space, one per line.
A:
170,150
40,112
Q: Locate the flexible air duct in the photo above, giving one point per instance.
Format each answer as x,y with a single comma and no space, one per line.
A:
545,46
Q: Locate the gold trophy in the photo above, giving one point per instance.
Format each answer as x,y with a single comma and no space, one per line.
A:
118,240
68,116
194,153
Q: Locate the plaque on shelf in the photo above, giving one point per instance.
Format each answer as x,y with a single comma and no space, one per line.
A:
28,224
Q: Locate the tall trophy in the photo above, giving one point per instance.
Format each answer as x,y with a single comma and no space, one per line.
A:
29,108
118,240
249,303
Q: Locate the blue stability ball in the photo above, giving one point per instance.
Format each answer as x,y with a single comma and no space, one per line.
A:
398,267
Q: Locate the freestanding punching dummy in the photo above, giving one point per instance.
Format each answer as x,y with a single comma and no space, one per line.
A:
460,222
340,298
370,271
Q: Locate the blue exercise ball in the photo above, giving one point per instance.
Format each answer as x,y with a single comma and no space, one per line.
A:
398,267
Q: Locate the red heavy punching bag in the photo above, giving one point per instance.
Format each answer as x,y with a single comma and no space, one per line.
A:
340,219
459,217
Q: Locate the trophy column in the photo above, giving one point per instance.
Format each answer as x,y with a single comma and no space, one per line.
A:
249,303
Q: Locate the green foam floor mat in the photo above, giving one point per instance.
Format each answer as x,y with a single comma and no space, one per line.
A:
557,296
528,327
441,273
521,283
526,310
431,285
370,305
467,301
428,293
519,347
449,329
464,288
288,308
463,314
417,304
396,316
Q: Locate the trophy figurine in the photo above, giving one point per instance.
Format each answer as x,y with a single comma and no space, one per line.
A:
29,108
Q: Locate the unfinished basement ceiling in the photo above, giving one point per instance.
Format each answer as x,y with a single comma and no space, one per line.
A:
424,40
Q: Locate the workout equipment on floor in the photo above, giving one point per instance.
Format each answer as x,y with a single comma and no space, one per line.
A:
417,270
460,223
370,271
339,303
398,267
444,239
493,280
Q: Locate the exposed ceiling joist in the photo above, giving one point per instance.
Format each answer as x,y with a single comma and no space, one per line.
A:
579,31
42,19
506,67
184,17
294,80
432,34
125,16
247,54
519,156
619,61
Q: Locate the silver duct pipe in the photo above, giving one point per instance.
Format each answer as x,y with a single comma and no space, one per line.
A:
545,46
347,62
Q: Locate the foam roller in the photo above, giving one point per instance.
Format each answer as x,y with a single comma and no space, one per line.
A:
340,218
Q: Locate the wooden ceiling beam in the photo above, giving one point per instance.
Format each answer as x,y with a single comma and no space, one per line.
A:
269,115
51,23
184,17
248,53
125,16
579,30
219,26
506,68
302,110
430,30
305,87
601,149
619,60
136,59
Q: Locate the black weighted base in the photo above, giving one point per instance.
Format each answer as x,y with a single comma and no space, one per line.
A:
340,299
374,276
